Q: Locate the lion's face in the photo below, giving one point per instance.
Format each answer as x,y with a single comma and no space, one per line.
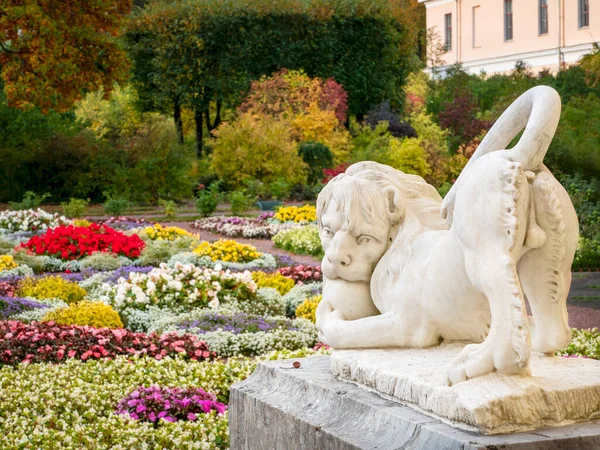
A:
352,250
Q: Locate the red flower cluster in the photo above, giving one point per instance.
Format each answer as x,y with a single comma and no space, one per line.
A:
48,342
71,242
330,174
302,274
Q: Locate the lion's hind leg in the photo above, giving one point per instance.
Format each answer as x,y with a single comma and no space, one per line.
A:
492,229
545,272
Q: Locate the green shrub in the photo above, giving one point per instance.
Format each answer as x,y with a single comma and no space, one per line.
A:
169,208
208,200
75,207
256,147
114,206
279,189
31,200
240,202
317,157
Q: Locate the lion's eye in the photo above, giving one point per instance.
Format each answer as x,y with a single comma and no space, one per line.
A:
327,232
365,239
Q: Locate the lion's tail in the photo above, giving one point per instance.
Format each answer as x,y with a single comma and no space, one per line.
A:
537,111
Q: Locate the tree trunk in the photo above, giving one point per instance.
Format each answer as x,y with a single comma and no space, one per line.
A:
199,131
217,122
177,119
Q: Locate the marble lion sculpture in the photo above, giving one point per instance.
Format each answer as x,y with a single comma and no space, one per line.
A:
403,268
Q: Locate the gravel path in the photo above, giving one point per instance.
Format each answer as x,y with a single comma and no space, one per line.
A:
583,304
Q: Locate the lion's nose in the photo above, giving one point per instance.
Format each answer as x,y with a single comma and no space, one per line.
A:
343,259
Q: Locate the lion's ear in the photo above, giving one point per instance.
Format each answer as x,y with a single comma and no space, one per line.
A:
393,203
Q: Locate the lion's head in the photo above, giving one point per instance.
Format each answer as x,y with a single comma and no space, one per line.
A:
359,214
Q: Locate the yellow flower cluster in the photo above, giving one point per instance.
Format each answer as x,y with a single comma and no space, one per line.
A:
306,213
228,250
94,314
51,287
82,223
159,233
308,308
7,263
273,280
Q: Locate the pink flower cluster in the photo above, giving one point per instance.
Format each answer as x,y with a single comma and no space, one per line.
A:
48,342
150,404
8,288
302,273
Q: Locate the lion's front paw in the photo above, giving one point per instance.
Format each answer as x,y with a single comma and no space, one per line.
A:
331,331
479,359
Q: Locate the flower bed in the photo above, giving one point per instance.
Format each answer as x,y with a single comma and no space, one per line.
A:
234,334
302,214
48,342
158,232
30,220
93,314
228,251
10,306
259,228
70,242
122,222
150,404
50,288
302,273
301,241
7,263
181,285
73,403
308,308
298,294
273,280
585,344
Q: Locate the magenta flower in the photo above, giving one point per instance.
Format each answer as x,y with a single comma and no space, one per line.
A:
150,404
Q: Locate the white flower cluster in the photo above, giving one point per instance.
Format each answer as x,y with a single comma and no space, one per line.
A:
248,228
265,261
30,220
19,271
180,285
227,344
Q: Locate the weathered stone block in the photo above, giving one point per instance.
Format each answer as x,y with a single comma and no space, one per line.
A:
283,408
560,391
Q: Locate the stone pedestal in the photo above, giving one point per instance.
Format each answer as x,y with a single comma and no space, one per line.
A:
560,391
308,408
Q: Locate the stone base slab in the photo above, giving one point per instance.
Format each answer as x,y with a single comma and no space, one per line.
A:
560,391
282,408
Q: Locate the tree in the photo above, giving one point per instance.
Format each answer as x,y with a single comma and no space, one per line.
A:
205,53
56,50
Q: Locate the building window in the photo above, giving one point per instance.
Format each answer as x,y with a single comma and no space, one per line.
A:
508,20
543,16
448,32
584,13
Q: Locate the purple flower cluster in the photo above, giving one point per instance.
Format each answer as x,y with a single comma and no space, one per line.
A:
15,305
122,223
235,323
266,215
150,404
